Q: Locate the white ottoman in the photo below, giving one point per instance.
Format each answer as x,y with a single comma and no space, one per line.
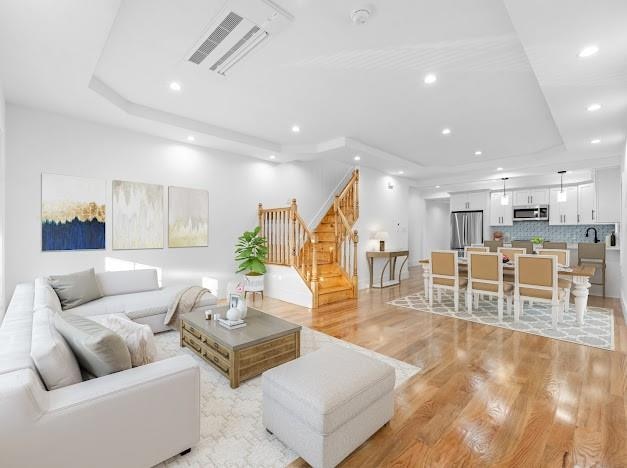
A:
327,403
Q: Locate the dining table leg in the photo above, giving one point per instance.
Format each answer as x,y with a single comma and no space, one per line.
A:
581,286
426,271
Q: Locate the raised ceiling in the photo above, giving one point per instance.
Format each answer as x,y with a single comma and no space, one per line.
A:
509,80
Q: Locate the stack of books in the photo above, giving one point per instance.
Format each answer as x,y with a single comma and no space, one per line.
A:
231,324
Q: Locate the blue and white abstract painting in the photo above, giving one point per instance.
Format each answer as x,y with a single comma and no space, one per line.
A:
72,213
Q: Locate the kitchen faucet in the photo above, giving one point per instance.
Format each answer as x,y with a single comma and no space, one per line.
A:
596,236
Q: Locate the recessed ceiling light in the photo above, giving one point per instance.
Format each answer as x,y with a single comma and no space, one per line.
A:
499,168
175,86
430,78
295,128
478,153
272,156
596,141
588,51
593,107
401,172
437,186
446,131
190,138
357,158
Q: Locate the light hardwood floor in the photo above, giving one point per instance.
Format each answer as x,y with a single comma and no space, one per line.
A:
486,396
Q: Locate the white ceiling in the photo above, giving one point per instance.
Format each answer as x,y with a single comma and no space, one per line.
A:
509,80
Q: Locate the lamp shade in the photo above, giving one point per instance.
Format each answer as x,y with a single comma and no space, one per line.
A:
381,235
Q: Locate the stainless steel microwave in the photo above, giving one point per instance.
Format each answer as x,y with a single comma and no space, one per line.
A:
531,213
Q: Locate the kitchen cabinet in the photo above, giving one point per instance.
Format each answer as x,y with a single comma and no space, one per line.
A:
468,201
563,213
586,201
608,195
537,196
501,215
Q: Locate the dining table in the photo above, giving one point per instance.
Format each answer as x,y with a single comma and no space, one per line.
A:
580,275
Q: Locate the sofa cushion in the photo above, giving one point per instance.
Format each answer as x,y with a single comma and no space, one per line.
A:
53,357
328,387
138,305
16,331
113,283
139,339
99,350
76,288
45,296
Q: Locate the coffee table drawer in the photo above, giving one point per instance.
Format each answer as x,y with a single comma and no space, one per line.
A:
192,342
216,347
268,345
211,357
192,331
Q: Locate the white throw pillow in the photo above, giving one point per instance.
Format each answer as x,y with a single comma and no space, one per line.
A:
51,354
45,296
138,338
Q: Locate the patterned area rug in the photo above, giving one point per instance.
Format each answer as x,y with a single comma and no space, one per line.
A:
231,431
597,331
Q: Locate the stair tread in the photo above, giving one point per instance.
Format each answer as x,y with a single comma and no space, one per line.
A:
333,289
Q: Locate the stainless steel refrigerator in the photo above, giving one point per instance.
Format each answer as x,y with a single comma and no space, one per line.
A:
466,229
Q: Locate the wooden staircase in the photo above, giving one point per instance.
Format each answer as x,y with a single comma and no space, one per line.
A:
326,257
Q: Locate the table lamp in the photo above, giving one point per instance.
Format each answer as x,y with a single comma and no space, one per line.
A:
381,236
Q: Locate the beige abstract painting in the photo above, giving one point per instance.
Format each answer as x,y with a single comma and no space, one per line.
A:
188,217
138,218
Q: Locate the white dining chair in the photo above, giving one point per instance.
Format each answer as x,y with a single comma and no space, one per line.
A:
445,276
485,277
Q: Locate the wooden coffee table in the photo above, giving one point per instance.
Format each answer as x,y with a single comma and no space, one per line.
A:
243,353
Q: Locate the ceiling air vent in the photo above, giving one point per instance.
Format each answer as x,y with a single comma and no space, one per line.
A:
238,29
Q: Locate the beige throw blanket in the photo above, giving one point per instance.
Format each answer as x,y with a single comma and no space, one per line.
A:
185,302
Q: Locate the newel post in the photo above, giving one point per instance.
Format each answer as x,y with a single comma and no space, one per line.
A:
260,214
292,232
314,269
355,279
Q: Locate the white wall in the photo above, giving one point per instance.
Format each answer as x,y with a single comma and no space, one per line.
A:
381,209
623,234
2,200
417,225
437,232
39,142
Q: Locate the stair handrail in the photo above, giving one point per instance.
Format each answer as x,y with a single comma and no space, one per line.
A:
290,242
348,261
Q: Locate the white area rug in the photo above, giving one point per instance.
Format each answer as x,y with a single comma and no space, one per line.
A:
231,430
597,330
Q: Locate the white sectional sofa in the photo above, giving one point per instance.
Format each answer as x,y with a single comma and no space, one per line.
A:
134,418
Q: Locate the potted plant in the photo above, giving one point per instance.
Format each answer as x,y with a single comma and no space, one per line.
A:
250,251
537,242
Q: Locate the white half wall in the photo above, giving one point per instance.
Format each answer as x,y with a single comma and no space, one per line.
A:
39,141
286,284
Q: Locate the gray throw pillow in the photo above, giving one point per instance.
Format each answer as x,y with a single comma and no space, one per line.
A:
76,288
98,350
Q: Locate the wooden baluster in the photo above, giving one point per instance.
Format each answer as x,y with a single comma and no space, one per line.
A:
356,202
314,271
272,234
355,281
292,233
283,243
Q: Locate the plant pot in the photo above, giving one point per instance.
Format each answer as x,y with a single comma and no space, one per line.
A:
254,282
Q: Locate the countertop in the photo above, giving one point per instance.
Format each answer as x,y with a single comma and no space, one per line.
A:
572,246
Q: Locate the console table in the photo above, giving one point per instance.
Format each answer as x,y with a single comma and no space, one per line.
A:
391,256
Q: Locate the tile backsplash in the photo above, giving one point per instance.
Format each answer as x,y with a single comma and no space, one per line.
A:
524,230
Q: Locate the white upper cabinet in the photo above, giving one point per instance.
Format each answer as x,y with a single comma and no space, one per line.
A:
587,204
563,212
608,198
501,215
468,201
538,196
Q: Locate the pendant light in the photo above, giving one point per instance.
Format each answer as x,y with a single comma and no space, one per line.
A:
561,196
504,197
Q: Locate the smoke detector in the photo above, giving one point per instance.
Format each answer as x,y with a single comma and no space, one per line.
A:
361,15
